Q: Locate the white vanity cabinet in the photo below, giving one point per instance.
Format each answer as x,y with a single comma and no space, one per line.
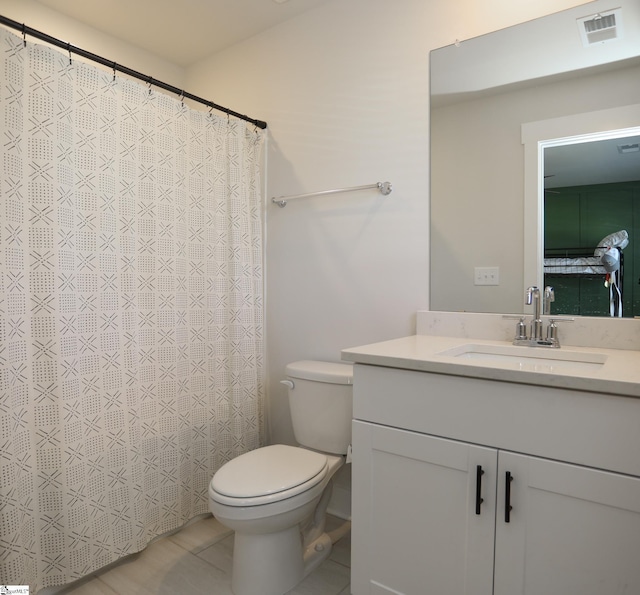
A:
414,527
431,459
572,531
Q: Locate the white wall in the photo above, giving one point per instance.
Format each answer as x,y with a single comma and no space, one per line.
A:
344,89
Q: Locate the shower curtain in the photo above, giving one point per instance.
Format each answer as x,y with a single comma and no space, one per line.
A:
131,323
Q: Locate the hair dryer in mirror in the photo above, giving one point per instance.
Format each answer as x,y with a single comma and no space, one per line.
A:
611,260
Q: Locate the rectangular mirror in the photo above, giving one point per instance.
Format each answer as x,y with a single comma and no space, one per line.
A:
487,203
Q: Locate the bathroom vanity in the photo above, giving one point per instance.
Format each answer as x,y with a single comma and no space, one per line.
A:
481,474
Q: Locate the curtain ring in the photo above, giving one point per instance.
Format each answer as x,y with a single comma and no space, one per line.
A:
150,82
114,72
69,50
24,34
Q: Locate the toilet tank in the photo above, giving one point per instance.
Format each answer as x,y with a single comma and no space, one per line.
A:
321,404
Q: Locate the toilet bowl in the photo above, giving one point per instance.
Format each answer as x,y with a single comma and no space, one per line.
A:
275,498
270,556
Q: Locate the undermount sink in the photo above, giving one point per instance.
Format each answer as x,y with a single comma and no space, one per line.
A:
535,359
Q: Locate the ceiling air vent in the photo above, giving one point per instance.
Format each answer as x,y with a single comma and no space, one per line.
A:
601,27
624,149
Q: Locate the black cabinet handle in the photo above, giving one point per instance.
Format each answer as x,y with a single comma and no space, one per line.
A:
507,497
479,499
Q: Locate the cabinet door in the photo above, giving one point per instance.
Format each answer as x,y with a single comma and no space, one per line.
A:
415,529
572,530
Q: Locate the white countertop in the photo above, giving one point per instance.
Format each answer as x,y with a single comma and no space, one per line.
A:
619,375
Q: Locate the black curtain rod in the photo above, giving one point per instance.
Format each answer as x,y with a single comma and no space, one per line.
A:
128,71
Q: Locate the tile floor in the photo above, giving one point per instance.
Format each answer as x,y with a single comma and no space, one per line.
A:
197,561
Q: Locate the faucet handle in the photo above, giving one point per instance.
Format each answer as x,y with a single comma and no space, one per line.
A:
552,329
552,332
521,330
521,327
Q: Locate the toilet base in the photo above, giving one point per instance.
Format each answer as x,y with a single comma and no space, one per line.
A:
276,545
316,553
275,563
269,564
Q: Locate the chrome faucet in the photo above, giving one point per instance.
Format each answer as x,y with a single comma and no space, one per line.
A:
549,296
535,338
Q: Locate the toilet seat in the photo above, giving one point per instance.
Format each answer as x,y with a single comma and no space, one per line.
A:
268,474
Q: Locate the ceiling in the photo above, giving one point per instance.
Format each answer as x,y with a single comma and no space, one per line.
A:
182,31
594,162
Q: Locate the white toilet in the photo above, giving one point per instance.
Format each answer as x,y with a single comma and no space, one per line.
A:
275,498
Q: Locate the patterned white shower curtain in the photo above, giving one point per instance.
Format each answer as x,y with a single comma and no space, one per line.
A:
131,323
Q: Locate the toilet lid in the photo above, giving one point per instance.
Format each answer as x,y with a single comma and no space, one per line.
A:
268,471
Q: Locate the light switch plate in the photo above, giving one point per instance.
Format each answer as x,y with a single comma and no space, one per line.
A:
486,276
